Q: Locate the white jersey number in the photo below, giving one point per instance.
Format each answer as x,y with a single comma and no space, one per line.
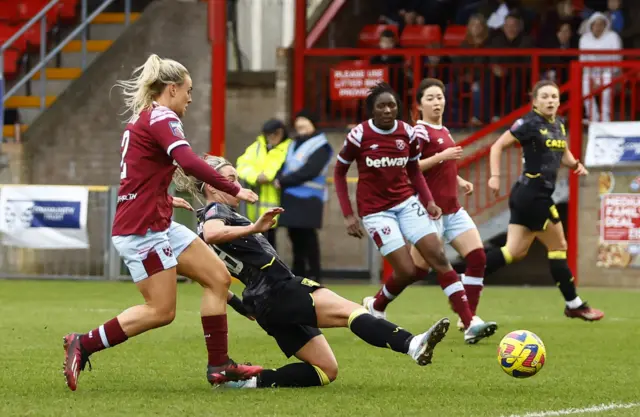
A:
125,146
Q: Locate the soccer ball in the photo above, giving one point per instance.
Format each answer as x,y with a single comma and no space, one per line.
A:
521,354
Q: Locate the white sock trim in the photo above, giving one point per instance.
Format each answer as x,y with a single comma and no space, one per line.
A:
575,303
467,280
453,288
103,336
387,294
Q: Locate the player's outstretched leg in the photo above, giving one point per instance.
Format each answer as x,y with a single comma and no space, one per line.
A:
335,311
553,239
202,265
159,292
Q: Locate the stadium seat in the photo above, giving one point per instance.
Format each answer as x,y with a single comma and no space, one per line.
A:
421,35
370,34
11,58
29,8
7,32
68,10
8,11
32,37
454,35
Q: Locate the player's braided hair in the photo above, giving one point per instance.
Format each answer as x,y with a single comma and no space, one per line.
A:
375,92
193,186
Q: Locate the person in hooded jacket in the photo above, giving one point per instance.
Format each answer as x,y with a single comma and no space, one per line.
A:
258,167
303,182
596,34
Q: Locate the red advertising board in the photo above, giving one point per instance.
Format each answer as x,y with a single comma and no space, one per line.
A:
620,218
349,83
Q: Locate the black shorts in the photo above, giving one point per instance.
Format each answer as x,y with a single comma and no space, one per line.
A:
532,207
291,315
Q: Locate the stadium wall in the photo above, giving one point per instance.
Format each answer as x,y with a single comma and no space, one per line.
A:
77,141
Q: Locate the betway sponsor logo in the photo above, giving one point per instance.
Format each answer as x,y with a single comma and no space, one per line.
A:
387,162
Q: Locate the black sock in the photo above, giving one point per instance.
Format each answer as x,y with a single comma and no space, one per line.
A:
300,374
379,332
496,259
562,274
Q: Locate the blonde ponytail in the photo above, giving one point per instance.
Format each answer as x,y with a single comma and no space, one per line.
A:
148,82
193,186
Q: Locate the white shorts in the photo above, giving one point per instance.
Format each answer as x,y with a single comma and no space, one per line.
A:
450,226
389,228
154,252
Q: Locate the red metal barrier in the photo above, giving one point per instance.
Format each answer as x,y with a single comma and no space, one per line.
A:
478,93
217,14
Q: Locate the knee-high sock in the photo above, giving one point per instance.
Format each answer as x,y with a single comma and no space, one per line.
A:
454,290
473,279
563,277
379,332
300,374
496,259
393,287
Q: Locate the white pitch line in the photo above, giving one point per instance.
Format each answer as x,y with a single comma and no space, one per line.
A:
593,409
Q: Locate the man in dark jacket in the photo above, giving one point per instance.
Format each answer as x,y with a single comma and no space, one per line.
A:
304,192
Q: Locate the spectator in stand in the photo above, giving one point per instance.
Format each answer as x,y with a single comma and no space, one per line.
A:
395,63
614,13
466,9
508,72
468,78
496,12
557,15
397,12
436,66
303,181
556,68
597,35
631,34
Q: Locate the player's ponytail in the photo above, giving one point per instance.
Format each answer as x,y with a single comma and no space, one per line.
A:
148,81
193,186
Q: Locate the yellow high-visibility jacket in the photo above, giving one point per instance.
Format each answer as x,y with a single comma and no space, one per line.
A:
257,160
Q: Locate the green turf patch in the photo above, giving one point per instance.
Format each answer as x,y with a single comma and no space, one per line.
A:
162,373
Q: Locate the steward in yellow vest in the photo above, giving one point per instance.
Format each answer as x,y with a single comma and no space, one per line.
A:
259,165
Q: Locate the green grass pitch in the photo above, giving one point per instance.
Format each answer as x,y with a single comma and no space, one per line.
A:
161,373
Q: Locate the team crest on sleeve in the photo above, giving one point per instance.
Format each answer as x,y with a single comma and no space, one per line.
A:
400,144
176,129
213,210
517,124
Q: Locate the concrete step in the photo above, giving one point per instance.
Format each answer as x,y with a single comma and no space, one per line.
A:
29,115
74,59
52,87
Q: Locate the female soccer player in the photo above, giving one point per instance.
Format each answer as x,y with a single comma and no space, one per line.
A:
154,248
439,154
533,213
290,308
383,146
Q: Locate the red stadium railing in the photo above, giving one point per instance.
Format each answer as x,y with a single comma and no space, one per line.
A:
478,92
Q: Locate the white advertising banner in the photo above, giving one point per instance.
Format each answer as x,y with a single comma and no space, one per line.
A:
44,217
